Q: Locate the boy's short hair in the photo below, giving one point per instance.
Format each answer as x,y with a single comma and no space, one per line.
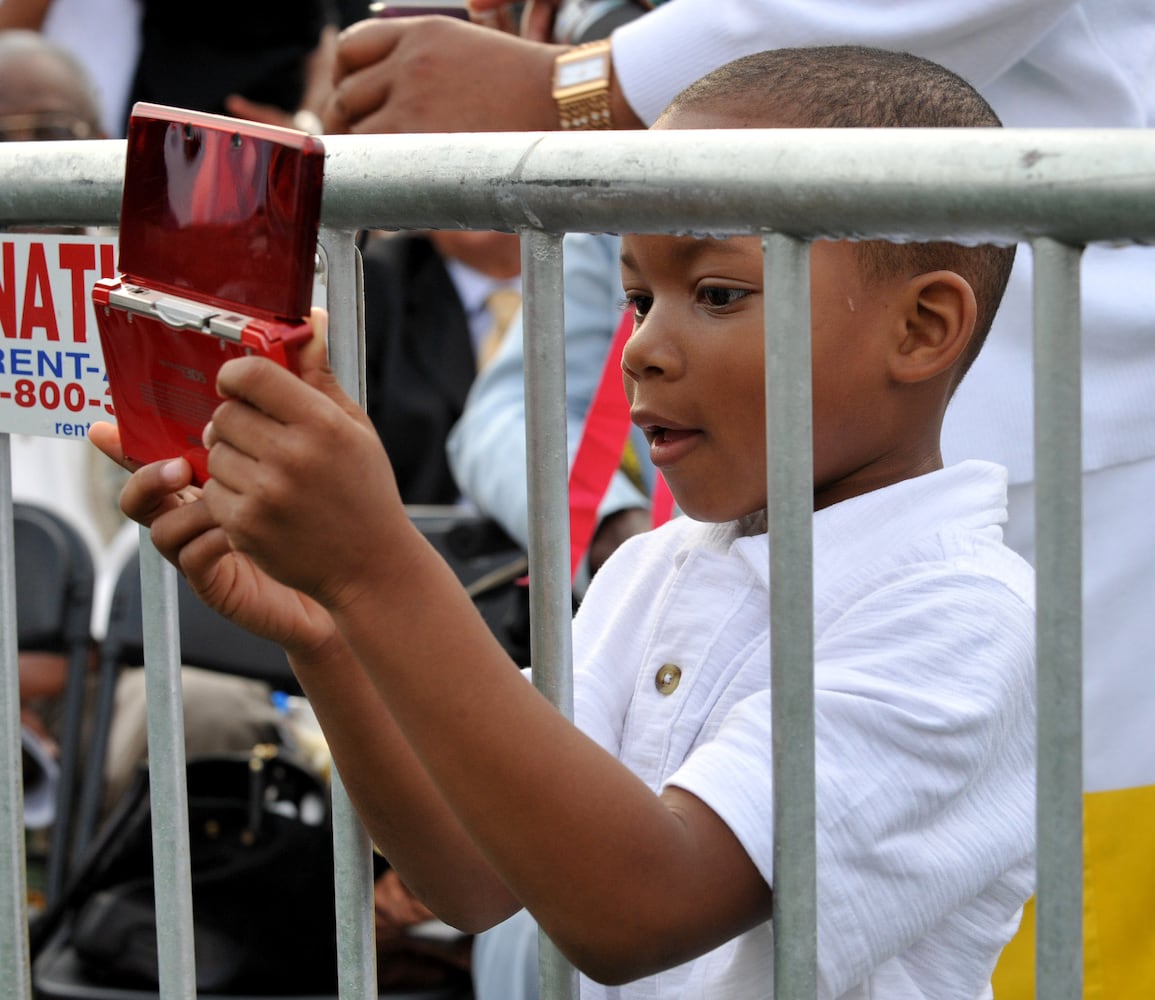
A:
851,86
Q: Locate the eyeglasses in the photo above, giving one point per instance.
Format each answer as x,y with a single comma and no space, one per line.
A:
44,125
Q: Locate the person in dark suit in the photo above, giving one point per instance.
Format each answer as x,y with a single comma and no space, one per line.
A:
425,320
275,54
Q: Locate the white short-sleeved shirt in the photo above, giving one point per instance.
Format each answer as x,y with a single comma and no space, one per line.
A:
924,676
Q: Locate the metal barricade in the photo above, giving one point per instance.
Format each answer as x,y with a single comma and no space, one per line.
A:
1056,189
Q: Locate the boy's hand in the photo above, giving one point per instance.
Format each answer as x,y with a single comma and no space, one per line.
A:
160,496
300,481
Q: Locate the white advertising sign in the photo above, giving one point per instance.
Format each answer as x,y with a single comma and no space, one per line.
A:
52,376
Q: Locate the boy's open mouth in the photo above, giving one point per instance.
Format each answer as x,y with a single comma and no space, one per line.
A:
667,435
669,445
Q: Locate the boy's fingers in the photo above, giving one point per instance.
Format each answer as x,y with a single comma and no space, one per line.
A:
314,355
275,391
156,488
313,362
106,437
181,526
153,489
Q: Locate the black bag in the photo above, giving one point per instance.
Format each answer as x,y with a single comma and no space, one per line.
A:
261,843
491,566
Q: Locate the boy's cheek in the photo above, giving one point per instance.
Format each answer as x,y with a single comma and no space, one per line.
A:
630,387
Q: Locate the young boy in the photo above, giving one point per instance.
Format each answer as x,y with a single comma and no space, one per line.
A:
641,838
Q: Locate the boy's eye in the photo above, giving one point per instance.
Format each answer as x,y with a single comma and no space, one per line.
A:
640,304
719,297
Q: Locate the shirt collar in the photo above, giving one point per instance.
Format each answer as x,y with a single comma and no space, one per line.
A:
851,534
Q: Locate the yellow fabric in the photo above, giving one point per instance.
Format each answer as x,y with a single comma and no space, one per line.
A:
1118,905
632,467
503,305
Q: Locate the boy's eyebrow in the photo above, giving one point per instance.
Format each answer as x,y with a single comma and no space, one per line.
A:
686,248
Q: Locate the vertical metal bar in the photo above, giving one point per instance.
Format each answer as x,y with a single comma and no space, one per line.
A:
70,742
548,466
345,303
15,974
353,885
352,850
1059,566
92,786
790,510
168,790
550,598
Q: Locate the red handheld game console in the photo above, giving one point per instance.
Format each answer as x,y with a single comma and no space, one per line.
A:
218,240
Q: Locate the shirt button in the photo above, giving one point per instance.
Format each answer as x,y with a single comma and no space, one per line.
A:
667,678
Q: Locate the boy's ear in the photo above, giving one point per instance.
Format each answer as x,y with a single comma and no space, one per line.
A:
939,319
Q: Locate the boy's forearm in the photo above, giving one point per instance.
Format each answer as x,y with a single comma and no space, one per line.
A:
403,812
612,873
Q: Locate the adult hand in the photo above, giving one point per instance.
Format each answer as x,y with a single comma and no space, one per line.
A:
536,20
269,114
407,961
439,74
615,529
395,908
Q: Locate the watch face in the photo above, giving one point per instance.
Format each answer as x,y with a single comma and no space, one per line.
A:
579,71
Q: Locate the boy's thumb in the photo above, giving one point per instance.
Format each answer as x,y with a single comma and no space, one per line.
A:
313,363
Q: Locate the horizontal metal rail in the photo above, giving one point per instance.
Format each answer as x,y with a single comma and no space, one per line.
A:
1073,185
1057,189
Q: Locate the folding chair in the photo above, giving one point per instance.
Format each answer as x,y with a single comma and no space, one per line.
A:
207,640
54,592
210,642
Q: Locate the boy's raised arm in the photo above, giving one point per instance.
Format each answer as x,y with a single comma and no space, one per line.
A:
626,882
384,780
478,791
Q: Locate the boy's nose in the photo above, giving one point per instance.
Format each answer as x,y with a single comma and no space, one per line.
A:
650,351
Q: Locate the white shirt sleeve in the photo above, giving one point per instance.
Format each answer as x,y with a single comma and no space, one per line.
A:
924,771
659,54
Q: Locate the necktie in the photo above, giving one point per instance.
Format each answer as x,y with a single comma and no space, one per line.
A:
503,305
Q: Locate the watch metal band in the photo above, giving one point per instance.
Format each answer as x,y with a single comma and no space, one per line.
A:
590,111
581,86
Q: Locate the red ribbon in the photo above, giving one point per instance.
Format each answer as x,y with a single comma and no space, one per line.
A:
599,453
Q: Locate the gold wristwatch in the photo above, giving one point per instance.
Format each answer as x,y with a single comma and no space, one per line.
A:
581,86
